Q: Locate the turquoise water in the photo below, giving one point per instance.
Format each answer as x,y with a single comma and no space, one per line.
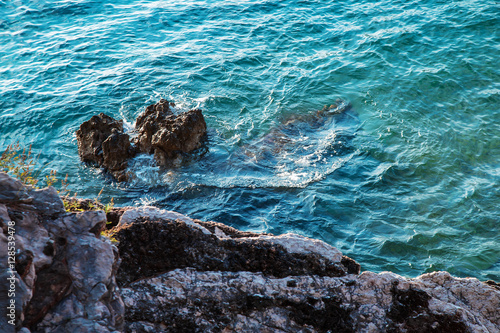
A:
407,179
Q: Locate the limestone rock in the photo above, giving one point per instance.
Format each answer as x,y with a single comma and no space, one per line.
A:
47,201
148,234
64,269
222,301
13,190
180,274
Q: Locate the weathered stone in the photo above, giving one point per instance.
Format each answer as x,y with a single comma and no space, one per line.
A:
77,205
221,301
149,122
64,270
113,216
116,152
493,284
12,287
24,262
152,213
52,285
218,279
47,201
31,236
13,190
93,133
147,234
101,141
166,135
218,228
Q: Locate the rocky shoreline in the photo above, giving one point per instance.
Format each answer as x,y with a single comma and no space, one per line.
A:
161,271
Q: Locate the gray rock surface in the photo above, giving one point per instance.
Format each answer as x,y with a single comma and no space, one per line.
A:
183,275
64,269
209,301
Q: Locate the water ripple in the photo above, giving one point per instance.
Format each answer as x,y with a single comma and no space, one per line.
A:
413,185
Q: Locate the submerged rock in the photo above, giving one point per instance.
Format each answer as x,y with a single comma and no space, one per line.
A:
286,137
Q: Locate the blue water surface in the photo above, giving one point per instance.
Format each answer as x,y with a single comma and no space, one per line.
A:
407,179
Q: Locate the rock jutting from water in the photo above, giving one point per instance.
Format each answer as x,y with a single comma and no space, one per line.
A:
165,272
165,135
102,141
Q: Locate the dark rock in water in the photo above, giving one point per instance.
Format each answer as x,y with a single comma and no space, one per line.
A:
92,134
116,151
165,135
101,141
148,123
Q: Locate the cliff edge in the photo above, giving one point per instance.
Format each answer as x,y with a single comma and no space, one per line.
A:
160,271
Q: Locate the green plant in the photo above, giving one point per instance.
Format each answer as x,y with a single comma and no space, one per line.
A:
19,163
109,206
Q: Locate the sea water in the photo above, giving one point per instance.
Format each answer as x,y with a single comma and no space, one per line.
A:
406,178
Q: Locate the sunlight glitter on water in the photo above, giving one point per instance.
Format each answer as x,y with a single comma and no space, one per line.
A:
410,183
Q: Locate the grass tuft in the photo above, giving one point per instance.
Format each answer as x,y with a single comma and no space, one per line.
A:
20,163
